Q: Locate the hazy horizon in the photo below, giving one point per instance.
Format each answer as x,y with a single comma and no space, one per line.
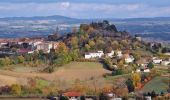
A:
86,9
84,18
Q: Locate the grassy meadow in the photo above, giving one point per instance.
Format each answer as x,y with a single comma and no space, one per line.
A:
158,84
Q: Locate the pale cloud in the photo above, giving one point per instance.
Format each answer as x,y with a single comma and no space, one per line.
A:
82,10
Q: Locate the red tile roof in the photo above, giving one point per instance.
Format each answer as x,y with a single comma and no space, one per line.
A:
72,94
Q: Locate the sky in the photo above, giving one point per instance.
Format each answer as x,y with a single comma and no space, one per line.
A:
85,8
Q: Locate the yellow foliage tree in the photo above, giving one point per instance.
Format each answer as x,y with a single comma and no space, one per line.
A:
62,48
21,59
74,42
91,43
16,89
87,47
136,78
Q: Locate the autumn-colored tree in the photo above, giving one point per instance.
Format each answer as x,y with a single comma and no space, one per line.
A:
2,62
115,45
84,27
20,59
74,42
7,61
137,56
121,63
16,89
136,77
108,63
82,38
108,49
74,54
124,43
90,30
99,44
87,47
133,66
91,43
62,48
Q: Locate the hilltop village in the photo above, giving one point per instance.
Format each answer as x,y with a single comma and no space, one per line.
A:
129,66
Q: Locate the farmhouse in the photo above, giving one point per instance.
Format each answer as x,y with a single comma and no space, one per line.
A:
46,46
72,95
138,38
119,54
165,63
156,60
97,54
129,58
111,54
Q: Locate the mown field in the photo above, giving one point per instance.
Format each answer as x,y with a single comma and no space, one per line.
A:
84,71
158,84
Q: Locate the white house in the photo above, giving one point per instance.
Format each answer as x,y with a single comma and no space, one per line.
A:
45,47
148,98
129,59
139,38
156,60
3,43
111,54
35,43
30,52
119,54
165,63
146,70
97,54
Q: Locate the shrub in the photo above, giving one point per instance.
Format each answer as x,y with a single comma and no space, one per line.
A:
118,72
150,65
49,69
16,89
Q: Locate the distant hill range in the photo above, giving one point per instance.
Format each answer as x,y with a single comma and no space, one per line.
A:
145,19
156,28
54,17
65,19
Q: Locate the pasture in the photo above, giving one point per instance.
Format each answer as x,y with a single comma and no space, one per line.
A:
68,73
158,84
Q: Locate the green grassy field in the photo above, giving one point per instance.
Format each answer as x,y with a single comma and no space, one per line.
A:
41,83
158,84
83,65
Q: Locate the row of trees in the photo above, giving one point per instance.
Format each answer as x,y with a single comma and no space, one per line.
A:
11,60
